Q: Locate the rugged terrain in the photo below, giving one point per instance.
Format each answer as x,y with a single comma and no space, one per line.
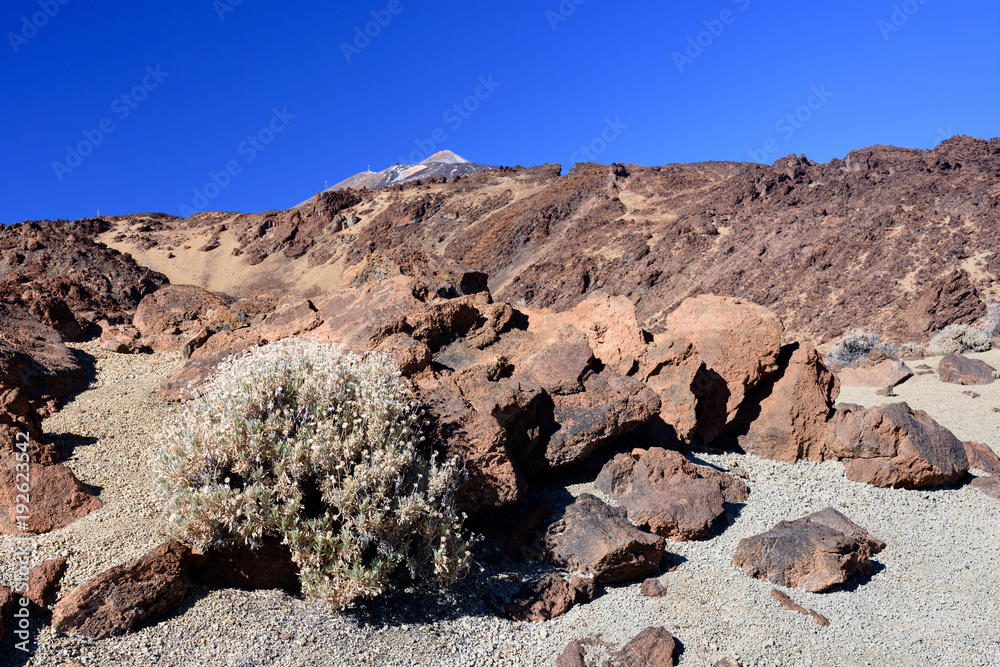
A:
873,239
623,357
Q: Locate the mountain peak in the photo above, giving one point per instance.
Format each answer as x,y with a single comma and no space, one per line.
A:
445,157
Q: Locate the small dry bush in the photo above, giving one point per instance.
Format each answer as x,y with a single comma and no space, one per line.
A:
959,339
323,449
856,346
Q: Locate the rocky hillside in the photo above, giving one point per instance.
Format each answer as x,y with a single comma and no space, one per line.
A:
889,239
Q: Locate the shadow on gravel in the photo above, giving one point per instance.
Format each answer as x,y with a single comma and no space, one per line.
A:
68,443
10,654
860,579
88,362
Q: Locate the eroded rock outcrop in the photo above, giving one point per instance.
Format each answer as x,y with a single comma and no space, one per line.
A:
958,369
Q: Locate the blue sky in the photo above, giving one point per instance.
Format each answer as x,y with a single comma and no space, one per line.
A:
249,105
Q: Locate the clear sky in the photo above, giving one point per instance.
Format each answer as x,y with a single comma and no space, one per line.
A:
248,105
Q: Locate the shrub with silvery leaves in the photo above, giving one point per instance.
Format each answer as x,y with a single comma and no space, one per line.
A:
856,346
324,450
959,339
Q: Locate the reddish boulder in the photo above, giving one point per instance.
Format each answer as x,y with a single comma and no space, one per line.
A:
127,597
787,415
652,588
895,446
664,492
885,373
43,579
548,598
611,405
34,358
612,330
175,310
493,480
120,339
671,370
815,552
57,498
653,647
988,485
982,457
738,342
595,539
958,369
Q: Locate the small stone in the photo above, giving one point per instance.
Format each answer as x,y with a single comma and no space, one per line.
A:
971,394
652,588
885,391
287,635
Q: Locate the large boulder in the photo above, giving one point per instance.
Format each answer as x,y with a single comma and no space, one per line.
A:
595,539
34,358
982,457
127,597
815,552
895,446
786,416
664,492
738,343
958,369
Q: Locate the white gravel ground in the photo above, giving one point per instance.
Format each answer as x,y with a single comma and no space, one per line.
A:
931,600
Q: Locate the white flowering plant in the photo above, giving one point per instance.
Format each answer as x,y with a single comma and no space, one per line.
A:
323,449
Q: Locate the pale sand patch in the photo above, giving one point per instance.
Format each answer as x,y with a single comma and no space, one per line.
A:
968,418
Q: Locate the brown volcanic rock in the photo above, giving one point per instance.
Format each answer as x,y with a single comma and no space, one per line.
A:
610,406
957,369
805,239
988,485
493,478
662,491
34,358
61,274
43,579
672,370
815,552
949,299
787,414
548,598
612,330
57,498
885,373
174,310
653,647
595,539
738,343
127,597
895,446
982,457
